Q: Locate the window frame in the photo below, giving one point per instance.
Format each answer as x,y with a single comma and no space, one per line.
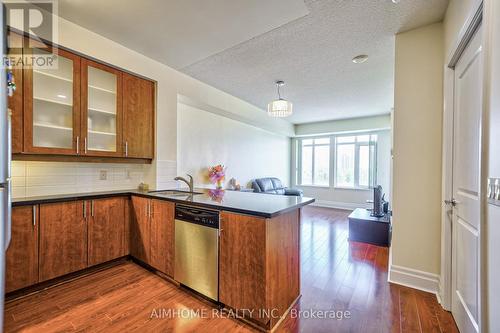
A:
372,177
332,176
298,179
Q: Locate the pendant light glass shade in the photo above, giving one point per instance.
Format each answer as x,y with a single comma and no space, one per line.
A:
280,107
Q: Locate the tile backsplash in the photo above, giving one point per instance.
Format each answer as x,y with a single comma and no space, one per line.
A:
47,178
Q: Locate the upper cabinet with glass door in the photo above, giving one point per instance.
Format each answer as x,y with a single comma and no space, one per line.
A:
51,107
82,108
101,109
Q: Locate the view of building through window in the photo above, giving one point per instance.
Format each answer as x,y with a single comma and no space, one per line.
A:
340,161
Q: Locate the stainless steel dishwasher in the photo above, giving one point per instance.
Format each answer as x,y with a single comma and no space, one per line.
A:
197,249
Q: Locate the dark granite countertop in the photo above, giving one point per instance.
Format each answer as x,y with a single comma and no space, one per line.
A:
264,205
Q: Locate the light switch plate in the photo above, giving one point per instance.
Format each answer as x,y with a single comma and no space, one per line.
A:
103,175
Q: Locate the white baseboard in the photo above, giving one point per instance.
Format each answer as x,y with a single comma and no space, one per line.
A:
413,278
339,205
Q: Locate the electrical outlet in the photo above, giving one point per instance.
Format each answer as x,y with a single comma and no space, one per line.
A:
103,175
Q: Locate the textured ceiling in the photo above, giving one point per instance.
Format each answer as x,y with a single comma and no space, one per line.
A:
180,32
313,56
243,46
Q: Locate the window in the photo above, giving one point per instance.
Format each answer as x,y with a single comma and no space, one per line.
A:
355,161
346,161
314,162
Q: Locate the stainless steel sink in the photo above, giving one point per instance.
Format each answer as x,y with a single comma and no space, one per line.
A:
175,193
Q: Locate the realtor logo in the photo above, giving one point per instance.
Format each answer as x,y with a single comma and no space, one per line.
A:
37,20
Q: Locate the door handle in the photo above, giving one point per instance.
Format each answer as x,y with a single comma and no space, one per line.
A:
77,145
34,216
126,148
84,209
85,144
451,202
92,208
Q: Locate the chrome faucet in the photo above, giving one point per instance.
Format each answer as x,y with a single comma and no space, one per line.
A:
189,183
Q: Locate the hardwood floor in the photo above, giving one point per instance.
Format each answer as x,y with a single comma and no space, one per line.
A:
336,275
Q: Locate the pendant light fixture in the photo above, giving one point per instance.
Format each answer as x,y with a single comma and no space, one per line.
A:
280,107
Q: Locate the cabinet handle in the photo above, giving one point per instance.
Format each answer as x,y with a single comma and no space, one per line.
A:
34,216
85,209
92,208
85,144
151,210
126,148
77,145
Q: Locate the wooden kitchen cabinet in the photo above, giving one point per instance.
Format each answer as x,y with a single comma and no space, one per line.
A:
63,238
162,236
101,90
242,261
106,230
140,228
22,255
152,233
81,110
138,117
259,256
52,105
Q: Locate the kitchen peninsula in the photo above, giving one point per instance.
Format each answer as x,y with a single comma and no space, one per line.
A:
61,236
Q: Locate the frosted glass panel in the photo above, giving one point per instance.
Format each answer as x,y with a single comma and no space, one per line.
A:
101,120
53,106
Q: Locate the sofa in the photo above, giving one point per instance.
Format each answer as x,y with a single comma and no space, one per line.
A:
273,185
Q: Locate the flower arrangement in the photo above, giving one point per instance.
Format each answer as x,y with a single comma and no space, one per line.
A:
216,174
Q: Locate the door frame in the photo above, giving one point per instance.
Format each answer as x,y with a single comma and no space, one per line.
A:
471,25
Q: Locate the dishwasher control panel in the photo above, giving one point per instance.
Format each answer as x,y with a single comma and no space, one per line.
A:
206,217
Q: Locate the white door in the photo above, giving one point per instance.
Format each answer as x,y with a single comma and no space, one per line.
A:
466,185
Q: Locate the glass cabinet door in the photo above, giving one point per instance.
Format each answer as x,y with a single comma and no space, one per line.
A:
52,110
102,109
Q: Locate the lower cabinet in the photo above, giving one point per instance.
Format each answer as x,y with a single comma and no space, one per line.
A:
51,240
162,236
259,265
242,263
152,233
22,254
63,239
140,228
106,230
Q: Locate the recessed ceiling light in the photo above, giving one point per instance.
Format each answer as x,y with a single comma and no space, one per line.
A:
61,96
360,59
396,1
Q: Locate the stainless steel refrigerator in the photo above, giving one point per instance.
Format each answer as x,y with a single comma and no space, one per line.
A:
5,159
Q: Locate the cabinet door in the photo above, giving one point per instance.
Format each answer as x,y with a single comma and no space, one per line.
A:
140,228
138,120
15,101
22,254
52,106
63,238
101,109
106,230
242,262
162,236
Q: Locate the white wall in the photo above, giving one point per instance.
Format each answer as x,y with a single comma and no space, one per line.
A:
418,109
170,83
248,152
346,198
